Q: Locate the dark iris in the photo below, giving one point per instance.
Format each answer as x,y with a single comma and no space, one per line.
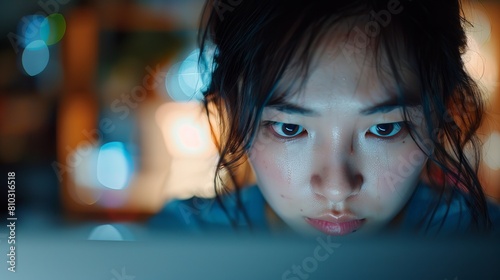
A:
385,129
290,129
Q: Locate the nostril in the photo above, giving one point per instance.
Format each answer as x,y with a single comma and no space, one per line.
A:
316,180
358,182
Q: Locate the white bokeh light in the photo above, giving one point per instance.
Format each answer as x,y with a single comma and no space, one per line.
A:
491,151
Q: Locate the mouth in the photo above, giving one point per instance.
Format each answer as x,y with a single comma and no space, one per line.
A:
337,227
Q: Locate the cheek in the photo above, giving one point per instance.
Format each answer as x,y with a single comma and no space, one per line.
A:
268,166
398,176
281,169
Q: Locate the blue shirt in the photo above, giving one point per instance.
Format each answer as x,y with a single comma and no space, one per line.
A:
429,214
202,214
451,214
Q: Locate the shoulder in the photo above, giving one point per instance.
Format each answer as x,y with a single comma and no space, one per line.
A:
494,211
200,214
431,212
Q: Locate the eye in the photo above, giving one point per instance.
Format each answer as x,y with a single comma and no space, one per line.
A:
387,130
286,130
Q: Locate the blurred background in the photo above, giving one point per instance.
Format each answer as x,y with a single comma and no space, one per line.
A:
99,107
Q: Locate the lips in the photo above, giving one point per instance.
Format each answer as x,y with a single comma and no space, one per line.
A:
336,226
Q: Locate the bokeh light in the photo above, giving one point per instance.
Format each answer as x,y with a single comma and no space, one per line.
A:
35,57
190,136
36,33
53,28
480,58
87,188
491,151
31,28
85,171
114,166
480,63
190,147
186,130
110,232
481,27
185,81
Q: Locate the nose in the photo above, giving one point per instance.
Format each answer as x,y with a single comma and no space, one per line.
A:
336,175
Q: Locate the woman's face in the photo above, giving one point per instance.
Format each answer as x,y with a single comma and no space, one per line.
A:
338,158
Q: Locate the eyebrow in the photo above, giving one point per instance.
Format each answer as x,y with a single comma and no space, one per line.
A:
390,105
290,108
384,107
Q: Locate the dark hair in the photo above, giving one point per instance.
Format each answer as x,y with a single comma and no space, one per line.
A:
251,36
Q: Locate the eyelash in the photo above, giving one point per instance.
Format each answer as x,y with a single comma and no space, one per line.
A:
403,126
269,126
403,131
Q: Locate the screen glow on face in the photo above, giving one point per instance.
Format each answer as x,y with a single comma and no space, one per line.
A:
290,131
328,159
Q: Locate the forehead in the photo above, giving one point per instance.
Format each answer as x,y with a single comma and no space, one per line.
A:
348,62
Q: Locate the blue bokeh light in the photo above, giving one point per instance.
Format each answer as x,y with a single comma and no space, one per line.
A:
114,166
186,81
31,28
35,57
111,232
